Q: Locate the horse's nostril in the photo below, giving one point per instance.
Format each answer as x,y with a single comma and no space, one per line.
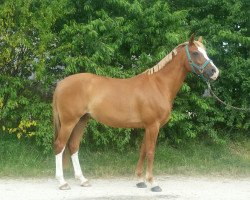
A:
213,71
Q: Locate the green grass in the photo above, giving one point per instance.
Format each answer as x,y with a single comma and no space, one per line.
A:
22,159
201,159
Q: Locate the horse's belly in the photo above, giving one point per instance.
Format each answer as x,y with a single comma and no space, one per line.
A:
116,114
116,121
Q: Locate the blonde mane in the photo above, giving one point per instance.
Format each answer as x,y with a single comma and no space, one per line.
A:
168,58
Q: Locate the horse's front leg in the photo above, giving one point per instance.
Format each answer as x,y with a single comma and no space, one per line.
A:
151,135
139,168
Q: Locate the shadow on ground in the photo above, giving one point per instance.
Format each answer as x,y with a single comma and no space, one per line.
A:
157,197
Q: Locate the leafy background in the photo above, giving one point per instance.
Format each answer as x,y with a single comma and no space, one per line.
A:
43,41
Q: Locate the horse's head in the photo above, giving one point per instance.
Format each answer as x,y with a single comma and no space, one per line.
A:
198,61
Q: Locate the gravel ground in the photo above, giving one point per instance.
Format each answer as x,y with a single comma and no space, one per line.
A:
173,187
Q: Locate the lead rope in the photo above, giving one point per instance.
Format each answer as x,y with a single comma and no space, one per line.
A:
223,102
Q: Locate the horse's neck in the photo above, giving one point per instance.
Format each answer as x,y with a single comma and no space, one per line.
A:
171,77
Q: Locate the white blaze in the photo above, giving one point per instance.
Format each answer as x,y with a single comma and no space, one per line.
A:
204,53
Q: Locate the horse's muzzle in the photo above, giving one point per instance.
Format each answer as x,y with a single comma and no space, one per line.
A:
211,72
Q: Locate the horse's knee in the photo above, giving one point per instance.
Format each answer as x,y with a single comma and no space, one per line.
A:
150,155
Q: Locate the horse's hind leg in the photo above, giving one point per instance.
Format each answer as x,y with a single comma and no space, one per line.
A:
59,146
74,143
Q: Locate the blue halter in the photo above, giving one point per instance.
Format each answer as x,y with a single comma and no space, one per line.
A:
194,66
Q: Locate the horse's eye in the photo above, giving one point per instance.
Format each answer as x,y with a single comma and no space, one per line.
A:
195,53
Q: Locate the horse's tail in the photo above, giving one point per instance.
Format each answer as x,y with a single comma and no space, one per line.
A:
57,126
56,119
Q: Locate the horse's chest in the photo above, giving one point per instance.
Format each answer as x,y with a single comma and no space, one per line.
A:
164,115
159,113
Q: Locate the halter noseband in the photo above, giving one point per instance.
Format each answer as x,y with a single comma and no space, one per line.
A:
194,66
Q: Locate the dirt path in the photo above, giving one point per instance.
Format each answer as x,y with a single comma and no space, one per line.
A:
174,187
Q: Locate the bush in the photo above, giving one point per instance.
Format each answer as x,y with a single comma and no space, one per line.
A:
44,41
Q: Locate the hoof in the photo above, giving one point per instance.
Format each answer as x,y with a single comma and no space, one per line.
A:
141,185
85,184
64,187
156,189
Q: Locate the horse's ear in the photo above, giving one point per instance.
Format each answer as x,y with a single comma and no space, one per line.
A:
191,40
200,39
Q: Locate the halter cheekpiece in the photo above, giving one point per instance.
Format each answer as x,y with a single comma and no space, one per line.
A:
196,67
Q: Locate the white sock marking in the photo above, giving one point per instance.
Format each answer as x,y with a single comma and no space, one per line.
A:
77,168
59,168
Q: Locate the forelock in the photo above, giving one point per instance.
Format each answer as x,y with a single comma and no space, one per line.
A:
199,44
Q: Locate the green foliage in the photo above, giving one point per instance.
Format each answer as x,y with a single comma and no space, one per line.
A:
224,27
42,41
103,136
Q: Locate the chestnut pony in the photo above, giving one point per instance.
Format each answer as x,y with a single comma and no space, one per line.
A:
144,101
